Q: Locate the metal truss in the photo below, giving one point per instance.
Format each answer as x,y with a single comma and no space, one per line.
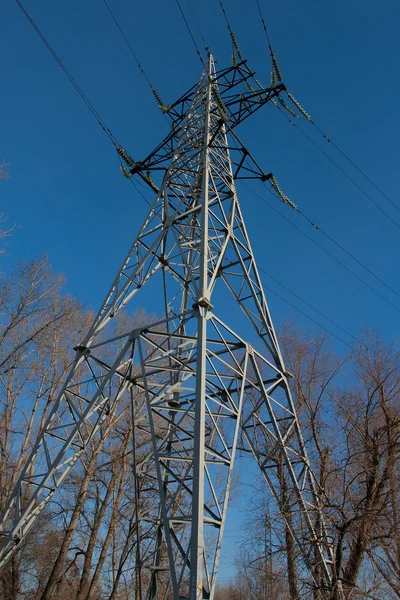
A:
204,386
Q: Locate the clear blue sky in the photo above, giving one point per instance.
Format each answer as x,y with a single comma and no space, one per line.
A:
340,59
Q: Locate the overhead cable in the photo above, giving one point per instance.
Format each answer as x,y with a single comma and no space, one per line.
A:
364,206
305,315
235,45
318,228
190,33
308,304
206,47
286,200
320,246
86,100
378,206
163,107
329,140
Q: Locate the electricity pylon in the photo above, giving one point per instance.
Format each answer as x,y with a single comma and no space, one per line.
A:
205,388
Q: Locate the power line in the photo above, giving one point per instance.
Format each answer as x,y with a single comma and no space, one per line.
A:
348,253
337,147
307,316
190,33
346,174
307,304
139,65
206,47
92,109
332,239
320,246
264,25
365,207
340,246
358,168
86,100
128,43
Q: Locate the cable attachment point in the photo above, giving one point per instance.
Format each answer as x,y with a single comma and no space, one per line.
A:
235,44
299,107
125,156
265,177
125,172
134,167
282,196
163,107
275,66
286,107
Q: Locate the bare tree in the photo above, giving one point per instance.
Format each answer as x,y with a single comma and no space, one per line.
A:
37,322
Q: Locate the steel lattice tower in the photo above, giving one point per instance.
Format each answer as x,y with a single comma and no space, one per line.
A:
205,387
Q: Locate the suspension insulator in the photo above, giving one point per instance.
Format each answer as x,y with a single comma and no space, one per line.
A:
299,107
163,107
286,107
234,61
156,95
220,104
282,196
125,156
259,84
235,44
149,177
276,67
125,172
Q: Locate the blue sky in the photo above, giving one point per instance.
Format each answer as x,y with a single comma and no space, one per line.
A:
340,60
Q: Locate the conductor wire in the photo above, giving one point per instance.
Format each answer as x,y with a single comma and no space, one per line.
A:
77,87
190,33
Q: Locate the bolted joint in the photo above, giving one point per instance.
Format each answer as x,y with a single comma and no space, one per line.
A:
265,177
203,303
164,262
135,334
82,350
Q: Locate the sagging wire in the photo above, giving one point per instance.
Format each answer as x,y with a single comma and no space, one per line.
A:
163,107
277,73
339,262
312,308
206,47
356,167
237,55
267,288
346,189
370,198
285,199
77,87
190,33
